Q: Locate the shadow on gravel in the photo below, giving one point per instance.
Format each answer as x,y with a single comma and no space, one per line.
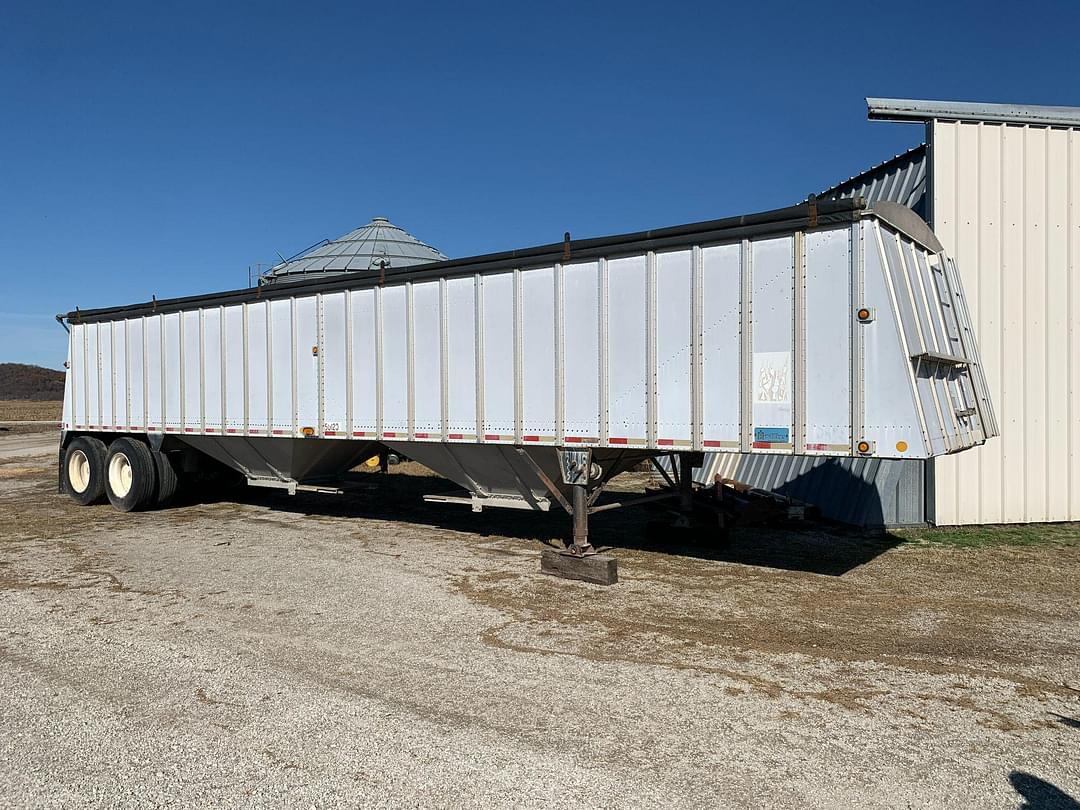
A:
1071,722
1041,795
813,547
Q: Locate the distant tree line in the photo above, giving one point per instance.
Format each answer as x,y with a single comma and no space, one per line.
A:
19,381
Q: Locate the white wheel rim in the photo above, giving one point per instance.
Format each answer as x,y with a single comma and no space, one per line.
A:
79,471
120,475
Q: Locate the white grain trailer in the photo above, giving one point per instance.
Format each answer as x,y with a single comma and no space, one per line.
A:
531,378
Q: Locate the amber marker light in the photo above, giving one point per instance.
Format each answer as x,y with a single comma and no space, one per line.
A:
863,446
308,431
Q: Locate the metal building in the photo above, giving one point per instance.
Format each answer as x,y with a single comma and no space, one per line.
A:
378,246
1000,185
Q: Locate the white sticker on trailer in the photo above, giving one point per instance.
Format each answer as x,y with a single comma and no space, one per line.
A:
773,276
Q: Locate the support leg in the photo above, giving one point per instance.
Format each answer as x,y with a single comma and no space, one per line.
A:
580,561
582,547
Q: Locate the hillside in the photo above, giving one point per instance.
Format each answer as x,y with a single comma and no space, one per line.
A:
19,381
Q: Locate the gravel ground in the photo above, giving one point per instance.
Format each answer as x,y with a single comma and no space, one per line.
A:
378,651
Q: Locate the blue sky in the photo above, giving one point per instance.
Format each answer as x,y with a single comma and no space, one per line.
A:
162,148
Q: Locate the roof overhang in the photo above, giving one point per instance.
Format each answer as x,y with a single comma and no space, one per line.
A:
899,109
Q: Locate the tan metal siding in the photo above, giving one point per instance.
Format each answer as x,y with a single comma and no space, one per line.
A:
1004,204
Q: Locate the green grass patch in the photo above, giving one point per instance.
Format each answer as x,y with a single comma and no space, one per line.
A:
1033,534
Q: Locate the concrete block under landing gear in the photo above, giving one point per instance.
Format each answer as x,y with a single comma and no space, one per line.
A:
600,569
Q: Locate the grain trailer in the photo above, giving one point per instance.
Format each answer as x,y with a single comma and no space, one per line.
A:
532,377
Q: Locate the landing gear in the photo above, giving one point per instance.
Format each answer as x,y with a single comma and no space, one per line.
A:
692,516
580,560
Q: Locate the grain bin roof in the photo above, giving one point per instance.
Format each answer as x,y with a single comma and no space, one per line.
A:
379,245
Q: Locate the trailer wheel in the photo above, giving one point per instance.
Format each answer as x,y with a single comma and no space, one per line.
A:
167,480
84,470
130,475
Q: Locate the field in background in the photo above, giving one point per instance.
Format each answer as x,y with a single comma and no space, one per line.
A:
17,410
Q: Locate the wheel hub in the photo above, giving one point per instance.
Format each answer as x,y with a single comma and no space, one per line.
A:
120,475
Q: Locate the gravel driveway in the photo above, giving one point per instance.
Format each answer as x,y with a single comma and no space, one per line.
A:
377,651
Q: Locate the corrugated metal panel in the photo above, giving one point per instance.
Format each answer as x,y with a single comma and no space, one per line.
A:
863,492
1006,204
901,179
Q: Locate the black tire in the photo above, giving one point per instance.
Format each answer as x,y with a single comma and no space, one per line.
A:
129,462
83,470
167,480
